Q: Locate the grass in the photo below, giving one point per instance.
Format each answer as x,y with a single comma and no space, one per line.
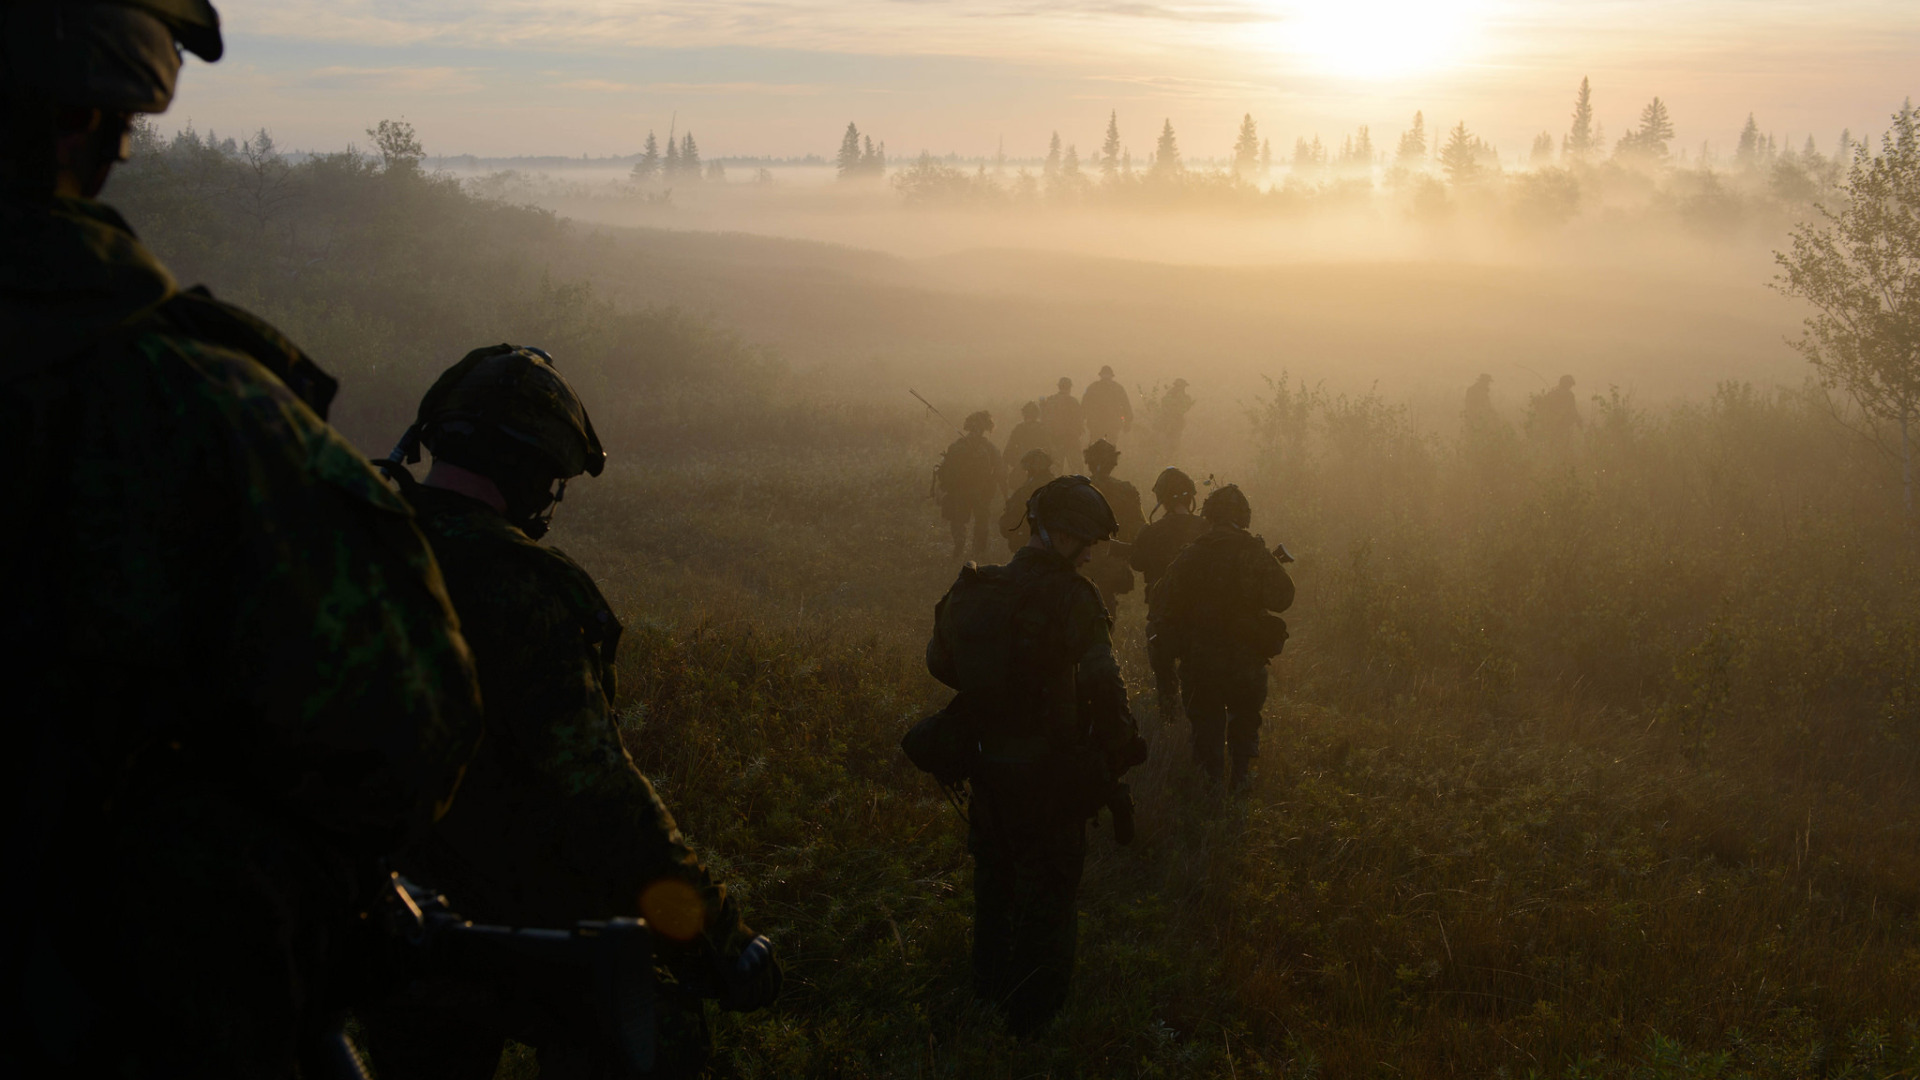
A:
1461,857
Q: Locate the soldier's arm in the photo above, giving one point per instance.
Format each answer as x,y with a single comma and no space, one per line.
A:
1100,682
939,651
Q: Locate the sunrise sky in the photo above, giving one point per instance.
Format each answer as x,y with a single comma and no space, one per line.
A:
782,77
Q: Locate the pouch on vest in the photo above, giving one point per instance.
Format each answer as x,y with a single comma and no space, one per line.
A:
1267,634
946,744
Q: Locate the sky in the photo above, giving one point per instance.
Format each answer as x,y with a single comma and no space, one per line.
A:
784,77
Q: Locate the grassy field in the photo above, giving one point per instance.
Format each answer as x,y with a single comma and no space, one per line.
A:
1604,769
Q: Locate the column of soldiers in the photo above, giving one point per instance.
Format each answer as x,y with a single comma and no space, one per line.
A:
247,677
1040,725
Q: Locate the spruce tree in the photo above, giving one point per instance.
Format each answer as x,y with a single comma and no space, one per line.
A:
1166,155
1110,149
1581,137
689,157
1051,168
1460,157
847,161
1266,157
1542,149
1747,153
648,166
1412,151
1649,140
1246,148
670,168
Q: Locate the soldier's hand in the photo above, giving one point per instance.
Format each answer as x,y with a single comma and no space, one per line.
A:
751,980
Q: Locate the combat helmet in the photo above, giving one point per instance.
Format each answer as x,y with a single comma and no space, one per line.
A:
1073,506
117,55
1228,506
1100,452
1036,459
981,421
507,405
1171,486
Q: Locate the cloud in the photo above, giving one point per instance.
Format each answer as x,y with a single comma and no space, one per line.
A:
609,86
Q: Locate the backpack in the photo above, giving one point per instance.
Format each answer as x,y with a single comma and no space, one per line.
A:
1203,599
969,465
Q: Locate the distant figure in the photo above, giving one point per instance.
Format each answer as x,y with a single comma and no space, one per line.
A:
1153,551
969,480
1477,413
1061,415
1109,569
1218,605
1554,416
1170,420
1028,434
1037,465
1107,408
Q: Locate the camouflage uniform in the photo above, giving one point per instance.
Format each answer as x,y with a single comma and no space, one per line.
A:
1057,706
236,678
970,480
1153,551
1027,435
1109,569
1211,599
554,822
1060,413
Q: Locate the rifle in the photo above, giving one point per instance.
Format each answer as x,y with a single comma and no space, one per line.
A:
929,405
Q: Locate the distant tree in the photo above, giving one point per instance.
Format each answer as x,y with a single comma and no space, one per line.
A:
1581,137
1460,157
1051,168
670,167
1266,157
1246,148
1126,161
1308,157
1166,153
689,157
1542,150
1412,151
847,161
1070,165
1746,153
1110,148
1648,142
648,166
400,150
873,160
1356,152
1860,269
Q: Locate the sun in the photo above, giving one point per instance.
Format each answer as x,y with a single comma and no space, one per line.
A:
1378,40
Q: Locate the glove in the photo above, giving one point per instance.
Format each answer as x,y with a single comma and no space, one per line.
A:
751,980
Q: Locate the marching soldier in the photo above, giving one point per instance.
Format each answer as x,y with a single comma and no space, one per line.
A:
1109,570
969,480
1013,518
1153,551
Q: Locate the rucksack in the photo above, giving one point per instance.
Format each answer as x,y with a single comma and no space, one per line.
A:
1203,599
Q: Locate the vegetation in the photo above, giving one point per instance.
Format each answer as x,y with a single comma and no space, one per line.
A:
1594,752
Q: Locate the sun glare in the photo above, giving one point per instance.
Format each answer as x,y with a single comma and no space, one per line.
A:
1378,39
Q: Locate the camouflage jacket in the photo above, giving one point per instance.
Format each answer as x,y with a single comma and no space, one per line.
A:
970,470
212,592
554,823
1155,548
1217,588
1045,664
1109,568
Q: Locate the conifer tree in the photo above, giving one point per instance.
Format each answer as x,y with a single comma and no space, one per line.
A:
648,166
1412,151
670,168
1460,157
847,161
1246,148
1166,155
1649,140
1747,153
1126,162
1110,149
689,157
1581,138
1542,149
1266,157
1051,168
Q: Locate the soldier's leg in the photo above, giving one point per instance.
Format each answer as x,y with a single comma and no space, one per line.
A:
993,901
1207,712
1246,695
983,513
1049,857
958,527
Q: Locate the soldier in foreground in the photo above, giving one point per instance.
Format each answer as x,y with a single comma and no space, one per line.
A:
235,681
1038,467
1028,647
554,822
1108,409
1153,551
969,480
1109,569
1218,603
1028,434
1060,413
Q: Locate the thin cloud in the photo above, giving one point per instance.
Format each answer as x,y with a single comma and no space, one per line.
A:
429,80
609,86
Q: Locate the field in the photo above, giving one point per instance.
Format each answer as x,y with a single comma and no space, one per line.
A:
1587,758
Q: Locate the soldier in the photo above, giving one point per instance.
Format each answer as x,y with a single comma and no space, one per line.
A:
1217,602
1109,569
554,823
1477,413
1028,434
1153,551
1555,416
1108,409
1028,647
235,681
1060,413
1013,517
969,480
1170,418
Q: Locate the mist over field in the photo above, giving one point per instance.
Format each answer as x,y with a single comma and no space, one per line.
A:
1595,750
